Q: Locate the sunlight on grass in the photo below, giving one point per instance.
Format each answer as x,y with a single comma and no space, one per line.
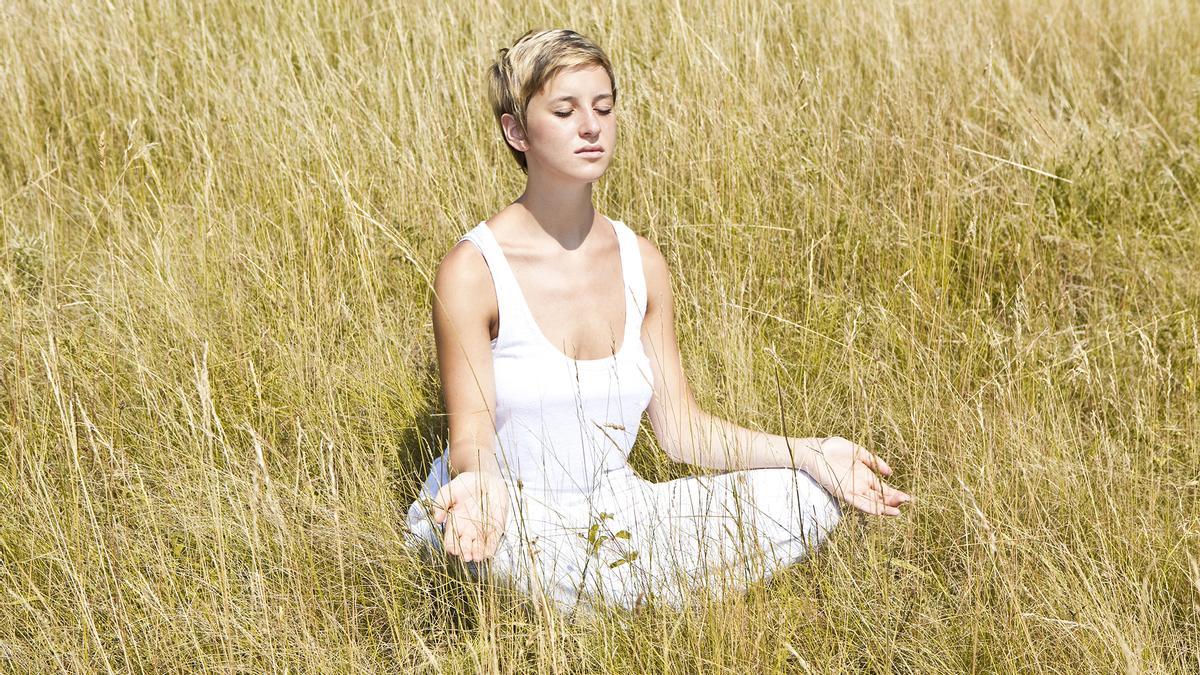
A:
961,234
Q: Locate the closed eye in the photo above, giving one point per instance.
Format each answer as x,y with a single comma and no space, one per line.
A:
607,111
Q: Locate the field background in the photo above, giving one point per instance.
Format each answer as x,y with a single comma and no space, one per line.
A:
962,234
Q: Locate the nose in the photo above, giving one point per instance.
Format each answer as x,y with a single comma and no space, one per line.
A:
590,126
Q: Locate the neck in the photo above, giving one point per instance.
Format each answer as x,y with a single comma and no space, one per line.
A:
562,209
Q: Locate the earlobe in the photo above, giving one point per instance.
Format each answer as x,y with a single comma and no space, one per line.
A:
513,133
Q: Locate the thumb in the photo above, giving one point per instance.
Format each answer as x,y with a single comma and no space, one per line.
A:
442,502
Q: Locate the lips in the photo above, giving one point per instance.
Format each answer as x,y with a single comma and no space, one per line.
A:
590,148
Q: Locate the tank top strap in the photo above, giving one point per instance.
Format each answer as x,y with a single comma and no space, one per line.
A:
509,301
631,269
516,319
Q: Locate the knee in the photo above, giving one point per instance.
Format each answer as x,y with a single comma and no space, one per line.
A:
819,511
826,514
824,509
420,526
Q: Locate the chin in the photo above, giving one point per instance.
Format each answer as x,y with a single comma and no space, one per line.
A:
590,174
577,171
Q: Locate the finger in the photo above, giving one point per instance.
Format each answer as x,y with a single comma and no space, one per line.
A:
868,506
468,547
871,487
450,539
472,539
460,541
885,510
889,495
874,506
893,496
471,549
487,544
904,496
478,545
486,547
455,539
876,462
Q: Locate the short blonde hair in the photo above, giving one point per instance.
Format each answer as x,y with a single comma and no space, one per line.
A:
520,72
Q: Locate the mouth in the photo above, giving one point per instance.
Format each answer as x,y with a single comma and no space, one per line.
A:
590,150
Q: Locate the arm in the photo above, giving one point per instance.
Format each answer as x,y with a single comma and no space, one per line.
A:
464,307
475,501
689,434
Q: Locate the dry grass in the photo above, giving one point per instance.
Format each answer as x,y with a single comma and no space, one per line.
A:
963,234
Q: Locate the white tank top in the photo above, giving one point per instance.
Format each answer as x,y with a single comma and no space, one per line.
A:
563,424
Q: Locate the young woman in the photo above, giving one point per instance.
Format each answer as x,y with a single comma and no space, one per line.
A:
555,332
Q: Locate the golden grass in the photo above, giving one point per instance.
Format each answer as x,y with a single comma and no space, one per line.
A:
963,234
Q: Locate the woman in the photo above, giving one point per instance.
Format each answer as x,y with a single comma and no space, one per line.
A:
555,332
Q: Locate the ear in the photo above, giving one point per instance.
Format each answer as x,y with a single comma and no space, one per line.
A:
513,133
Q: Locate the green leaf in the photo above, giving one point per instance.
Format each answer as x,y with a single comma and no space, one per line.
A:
628,557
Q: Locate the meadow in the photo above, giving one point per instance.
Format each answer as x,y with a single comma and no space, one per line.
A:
961,234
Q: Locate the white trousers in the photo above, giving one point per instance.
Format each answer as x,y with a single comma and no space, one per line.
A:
630,540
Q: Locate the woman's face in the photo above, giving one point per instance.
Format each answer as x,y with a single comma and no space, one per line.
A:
566,122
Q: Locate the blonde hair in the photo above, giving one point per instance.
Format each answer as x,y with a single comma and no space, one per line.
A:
520,72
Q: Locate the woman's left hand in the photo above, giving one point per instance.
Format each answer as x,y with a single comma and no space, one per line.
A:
848,471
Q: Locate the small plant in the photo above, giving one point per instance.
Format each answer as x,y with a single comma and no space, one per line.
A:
23,266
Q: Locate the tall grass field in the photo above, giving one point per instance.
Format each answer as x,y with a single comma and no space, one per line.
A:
962,234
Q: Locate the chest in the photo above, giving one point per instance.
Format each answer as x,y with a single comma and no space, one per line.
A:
578,303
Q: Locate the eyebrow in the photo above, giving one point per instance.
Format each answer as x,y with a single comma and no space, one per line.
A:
572,98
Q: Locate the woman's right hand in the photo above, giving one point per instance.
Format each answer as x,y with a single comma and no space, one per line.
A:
473,510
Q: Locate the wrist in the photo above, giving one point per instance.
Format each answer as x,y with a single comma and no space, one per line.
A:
806,452
492,479
474,461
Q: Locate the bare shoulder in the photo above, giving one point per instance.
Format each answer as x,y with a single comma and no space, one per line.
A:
463,265
654,265
464,284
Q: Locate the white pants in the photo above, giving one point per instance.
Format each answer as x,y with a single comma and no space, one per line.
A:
630,540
